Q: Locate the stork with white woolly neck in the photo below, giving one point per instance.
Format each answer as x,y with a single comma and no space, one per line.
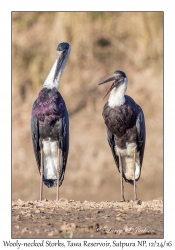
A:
50,126
126,131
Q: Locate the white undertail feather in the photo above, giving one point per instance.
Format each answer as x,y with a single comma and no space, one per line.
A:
127,158
117,95
50,150
49,83
128,168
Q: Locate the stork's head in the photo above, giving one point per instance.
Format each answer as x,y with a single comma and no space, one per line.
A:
63,51
54,76
119,78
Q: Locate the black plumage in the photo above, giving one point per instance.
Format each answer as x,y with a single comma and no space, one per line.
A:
125,124
50,126
126,131
50,121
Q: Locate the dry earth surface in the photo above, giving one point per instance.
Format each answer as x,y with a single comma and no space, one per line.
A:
75,219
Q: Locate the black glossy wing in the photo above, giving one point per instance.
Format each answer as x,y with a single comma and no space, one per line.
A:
35,139
64,144
141,132
111,142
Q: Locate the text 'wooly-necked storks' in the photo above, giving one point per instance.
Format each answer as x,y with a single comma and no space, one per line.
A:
126,130
50,126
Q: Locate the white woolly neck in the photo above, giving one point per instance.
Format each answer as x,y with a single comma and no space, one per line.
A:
117,95
49,83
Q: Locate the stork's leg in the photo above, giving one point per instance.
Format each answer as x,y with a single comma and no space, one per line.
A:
134,168
58,174
121,177
41,173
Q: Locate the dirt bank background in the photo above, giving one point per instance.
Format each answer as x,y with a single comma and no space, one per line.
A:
101,43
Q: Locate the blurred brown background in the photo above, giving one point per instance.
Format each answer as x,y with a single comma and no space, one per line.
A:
101,43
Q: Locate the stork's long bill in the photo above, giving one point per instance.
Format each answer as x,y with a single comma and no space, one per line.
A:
112,86
60,61
126,131
54,76
50,126
119,79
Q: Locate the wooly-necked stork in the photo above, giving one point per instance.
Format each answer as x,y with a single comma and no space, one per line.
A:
126,131
50,126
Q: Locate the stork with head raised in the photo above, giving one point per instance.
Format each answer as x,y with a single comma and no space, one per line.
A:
126,131
50,126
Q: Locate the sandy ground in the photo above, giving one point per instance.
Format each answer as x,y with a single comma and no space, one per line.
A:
75,219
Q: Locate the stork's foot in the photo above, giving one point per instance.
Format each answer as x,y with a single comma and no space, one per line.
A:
41,174
139,202
41,189
58,174
57,195
40,198
135,196
122,200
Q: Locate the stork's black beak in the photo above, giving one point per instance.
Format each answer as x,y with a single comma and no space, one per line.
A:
108,80
59,63
112,86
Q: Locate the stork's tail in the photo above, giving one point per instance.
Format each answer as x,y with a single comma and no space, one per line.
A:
49,183
128,169
50,149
